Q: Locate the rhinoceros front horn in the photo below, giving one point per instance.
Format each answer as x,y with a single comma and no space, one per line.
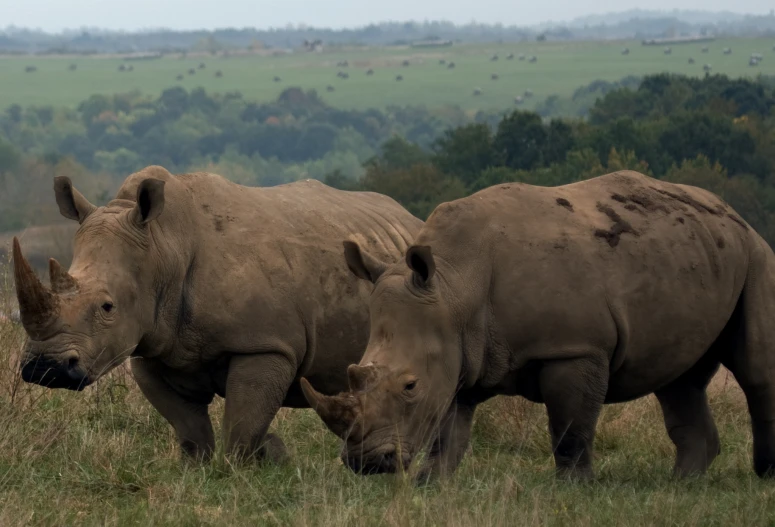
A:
37,305
338,412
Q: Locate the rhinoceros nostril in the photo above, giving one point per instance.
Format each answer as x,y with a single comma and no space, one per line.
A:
72,363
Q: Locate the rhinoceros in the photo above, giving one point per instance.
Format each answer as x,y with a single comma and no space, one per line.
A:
596,292
212,288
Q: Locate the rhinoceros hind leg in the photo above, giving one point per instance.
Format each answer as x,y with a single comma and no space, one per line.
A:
750,355
573,391
689,421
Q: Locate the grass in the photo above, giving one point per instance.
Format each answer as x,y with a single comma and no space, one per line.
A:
561,68
105,457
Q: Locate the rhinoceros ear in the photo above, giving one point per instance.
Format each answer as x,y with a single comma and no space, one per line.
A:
150,200
420,260
362,264
72,204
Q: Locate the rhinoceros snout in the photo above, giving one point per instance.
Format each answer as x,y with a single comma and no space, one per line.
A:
53,373
388,461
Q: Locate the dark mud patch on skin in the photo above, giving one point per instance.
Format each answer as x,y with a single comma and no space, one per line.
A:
562,202
686,199
635,200
720,243
619,227
738,221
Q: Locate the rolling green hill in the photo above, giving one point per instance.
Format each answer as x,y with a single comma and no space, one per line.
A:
560,69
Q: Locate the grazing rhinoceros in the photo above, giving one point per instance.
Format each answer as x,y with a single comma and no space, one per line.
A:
213,288
596,292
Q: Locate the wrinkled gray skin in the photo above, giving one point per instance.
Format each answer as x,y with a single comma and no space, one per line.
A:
597,292
212,288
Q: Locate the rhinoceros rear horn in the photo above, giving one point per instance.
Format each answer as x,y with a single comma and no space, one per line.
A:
61,281
338,412
37,305
361,377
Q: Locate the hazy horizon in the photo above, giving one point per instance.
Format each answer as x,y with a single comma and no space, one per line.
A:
59,15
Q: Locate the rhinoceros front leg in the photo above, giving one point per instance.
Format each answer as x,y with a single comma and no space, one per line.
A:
255,389
188,417
450,445
574,391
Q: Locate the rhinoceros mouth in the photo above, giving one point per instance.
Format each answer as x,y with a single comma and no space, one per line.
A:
384,460
55,374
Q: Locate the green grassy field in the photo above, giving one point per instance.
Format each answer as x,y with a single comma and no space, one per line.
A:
561,68
104,457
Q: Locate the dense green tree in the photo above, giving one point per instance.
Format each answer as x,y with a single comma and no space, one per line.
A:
465,152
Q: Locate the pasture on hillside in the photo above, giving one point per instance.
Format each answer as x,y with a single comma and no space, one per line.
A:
560,69
105,457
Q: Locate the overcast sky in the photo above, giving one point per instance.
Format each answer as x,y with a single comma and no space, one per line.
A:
55,15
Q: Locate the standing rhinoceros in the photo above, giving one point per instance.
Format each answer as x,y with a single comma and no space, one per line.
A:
213,288
597,292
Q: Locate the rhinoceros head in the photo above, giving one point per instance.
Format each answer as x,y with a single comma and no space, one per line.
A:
90,317
406,379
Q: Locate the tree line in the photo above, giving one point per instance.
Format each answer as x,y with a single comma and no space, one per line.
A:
714,132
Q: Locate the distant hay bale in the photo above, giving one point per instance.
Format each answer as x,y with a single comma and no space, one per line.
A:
753,62
192,71
405,63
179,77
668,51
399,78
122,67
626,51
518,99
72,67
276,79
343,75
533,59
691,60
370,72
494,58
219,74
510,56
130,68
202,65
330,88
707,67
705,49
477,92
521,56
451,66
494,77
528,93
727,51
442,62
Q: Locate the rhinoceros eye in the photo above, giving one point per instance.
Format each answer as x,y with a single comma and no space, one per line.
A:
410,386
107,307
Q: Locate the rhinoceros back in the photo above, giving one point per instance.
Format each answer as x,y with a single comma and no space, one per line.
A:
622,262
249,270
